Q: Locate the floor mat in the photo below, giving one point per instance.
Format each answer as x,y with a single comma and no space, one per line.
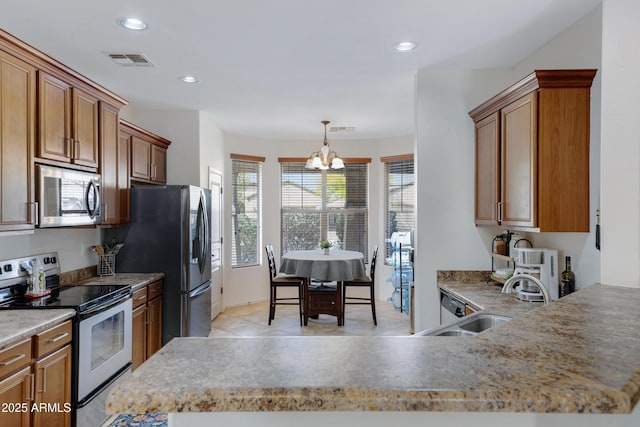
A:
140,420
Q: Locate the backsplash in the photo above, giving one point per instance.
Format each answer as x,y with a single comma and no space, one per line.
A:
73,276
463,276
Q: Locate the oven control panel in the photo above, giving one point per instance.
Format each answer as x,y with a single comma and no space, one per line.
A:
14,271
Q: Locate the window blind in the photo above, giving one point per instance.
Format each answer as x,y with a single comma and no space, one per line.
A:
246,212
318,205
399,198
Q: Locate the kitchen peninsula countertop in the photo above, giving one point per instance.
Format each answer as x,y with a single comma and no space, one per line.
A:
576,355
16,325
136,280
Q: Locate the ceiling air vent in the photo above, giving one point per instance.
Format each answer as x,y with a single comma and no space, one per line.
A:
130,59
342,129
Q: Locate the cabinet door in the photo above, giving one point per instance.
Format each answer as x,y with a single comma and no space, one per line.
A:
53,387
139,336
140,158
518,185
487,169
154,332
54,106
17,389
17,133
85,129
124,145
109,140
158,164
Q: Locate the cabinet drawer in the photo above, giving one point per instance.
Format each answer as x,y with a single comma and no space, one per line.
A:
139,297
154,289
53,339
15,357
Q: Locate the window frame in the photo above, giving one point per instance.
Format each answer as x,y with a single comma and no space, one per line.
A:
400,161
325,211
257,163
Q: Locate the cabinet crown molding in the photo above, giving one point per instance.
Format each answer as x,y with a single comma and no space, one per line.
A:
552,79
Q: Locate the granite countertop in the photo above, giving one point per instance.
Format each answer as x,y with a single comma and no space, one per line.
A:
16,325
136,280
576,355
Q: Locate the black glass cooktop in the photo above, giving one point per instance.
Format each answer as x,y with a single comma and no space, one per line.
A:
80,298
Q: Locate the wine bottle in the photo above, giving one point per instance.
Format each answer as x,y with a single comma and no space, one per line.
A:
567,279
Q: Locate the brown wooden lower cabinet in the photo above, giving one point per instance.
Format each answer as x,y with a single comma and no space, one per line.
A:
35,380
15,392
147,322
139,336
53,389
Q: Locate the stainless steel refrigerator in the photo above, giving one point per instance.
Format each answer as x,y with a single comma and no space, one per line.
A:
169,232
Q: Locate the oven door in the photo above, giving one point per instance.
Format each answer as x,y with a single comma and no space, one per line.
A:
104,341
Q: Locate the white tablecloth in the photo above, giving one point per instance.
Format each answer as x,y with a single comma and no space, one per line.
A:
339,265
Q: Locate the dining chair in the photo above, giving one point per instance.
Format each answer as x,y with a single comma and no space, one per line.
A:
368,282
277,280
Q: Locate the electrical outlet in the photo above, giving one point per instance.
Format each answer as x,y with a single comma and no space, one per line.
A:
86,248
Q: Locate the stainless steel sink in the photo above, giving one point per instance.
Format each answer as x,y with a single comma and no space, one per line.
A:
481,322
455,333
468,326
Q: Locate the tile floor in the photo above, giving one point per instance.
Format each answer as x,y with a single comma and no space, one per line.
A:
252,320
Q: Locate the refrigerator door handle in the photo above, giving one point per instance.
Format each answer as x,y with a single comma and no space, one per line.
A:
199,291
204,239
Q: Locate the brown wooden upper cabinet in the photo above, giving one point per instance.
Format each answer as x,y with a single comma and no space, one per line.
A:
17,136
68,123
532,153
114,168
148,155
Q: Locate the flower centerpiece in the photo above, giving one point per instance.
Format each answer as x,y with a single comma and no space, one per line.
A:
325,245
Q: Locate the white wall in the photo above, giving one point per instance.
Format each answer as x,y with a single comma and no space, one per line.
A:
211,147
446,238
620,143
71,244
248,284
182,128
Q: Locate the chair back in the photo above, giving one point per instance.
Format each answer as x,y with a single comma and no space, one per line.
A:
272,261
374,257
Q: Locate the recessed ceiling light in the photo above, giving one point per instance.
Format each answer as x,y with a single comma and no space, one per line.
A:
405,46
189,79
133,24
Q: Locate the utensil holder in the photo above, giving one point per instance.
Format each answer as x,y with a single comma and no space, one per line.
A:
106,265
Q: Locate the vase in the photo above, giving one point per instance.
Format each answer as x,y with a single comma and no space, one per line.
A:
326,251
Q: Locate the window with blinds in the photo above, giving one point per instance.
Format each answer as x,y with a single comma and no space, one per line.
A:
246,211
318,205
399,196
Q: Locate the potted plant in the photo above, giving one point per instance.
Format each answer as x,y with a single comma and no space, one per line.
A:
325,245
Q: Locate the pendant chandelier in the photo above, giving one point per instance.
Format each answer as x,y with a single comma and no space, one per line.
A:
324,158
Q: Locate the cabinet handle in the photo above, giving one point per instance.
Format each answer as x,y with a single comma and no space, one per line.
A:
32,387
105,212
59,337
140,298
76,150
34,213
67,147
146,320
44,380
13,360
153,170
499,211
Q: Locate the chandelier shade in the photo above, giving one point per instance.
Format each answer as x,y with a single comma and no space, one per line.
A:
324,158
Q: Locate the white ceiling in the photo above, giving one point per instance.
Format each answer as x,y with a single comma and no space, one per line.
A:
277,68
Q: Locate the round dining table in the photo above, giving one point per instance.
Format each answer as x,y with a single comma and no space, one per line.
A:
338,265
316,266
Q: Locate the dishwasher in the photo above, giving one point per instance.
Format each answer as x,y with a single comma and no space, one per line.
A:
451,308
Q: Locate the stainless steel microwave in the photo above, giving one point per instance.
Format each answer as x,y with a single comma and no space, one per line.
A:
67,197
